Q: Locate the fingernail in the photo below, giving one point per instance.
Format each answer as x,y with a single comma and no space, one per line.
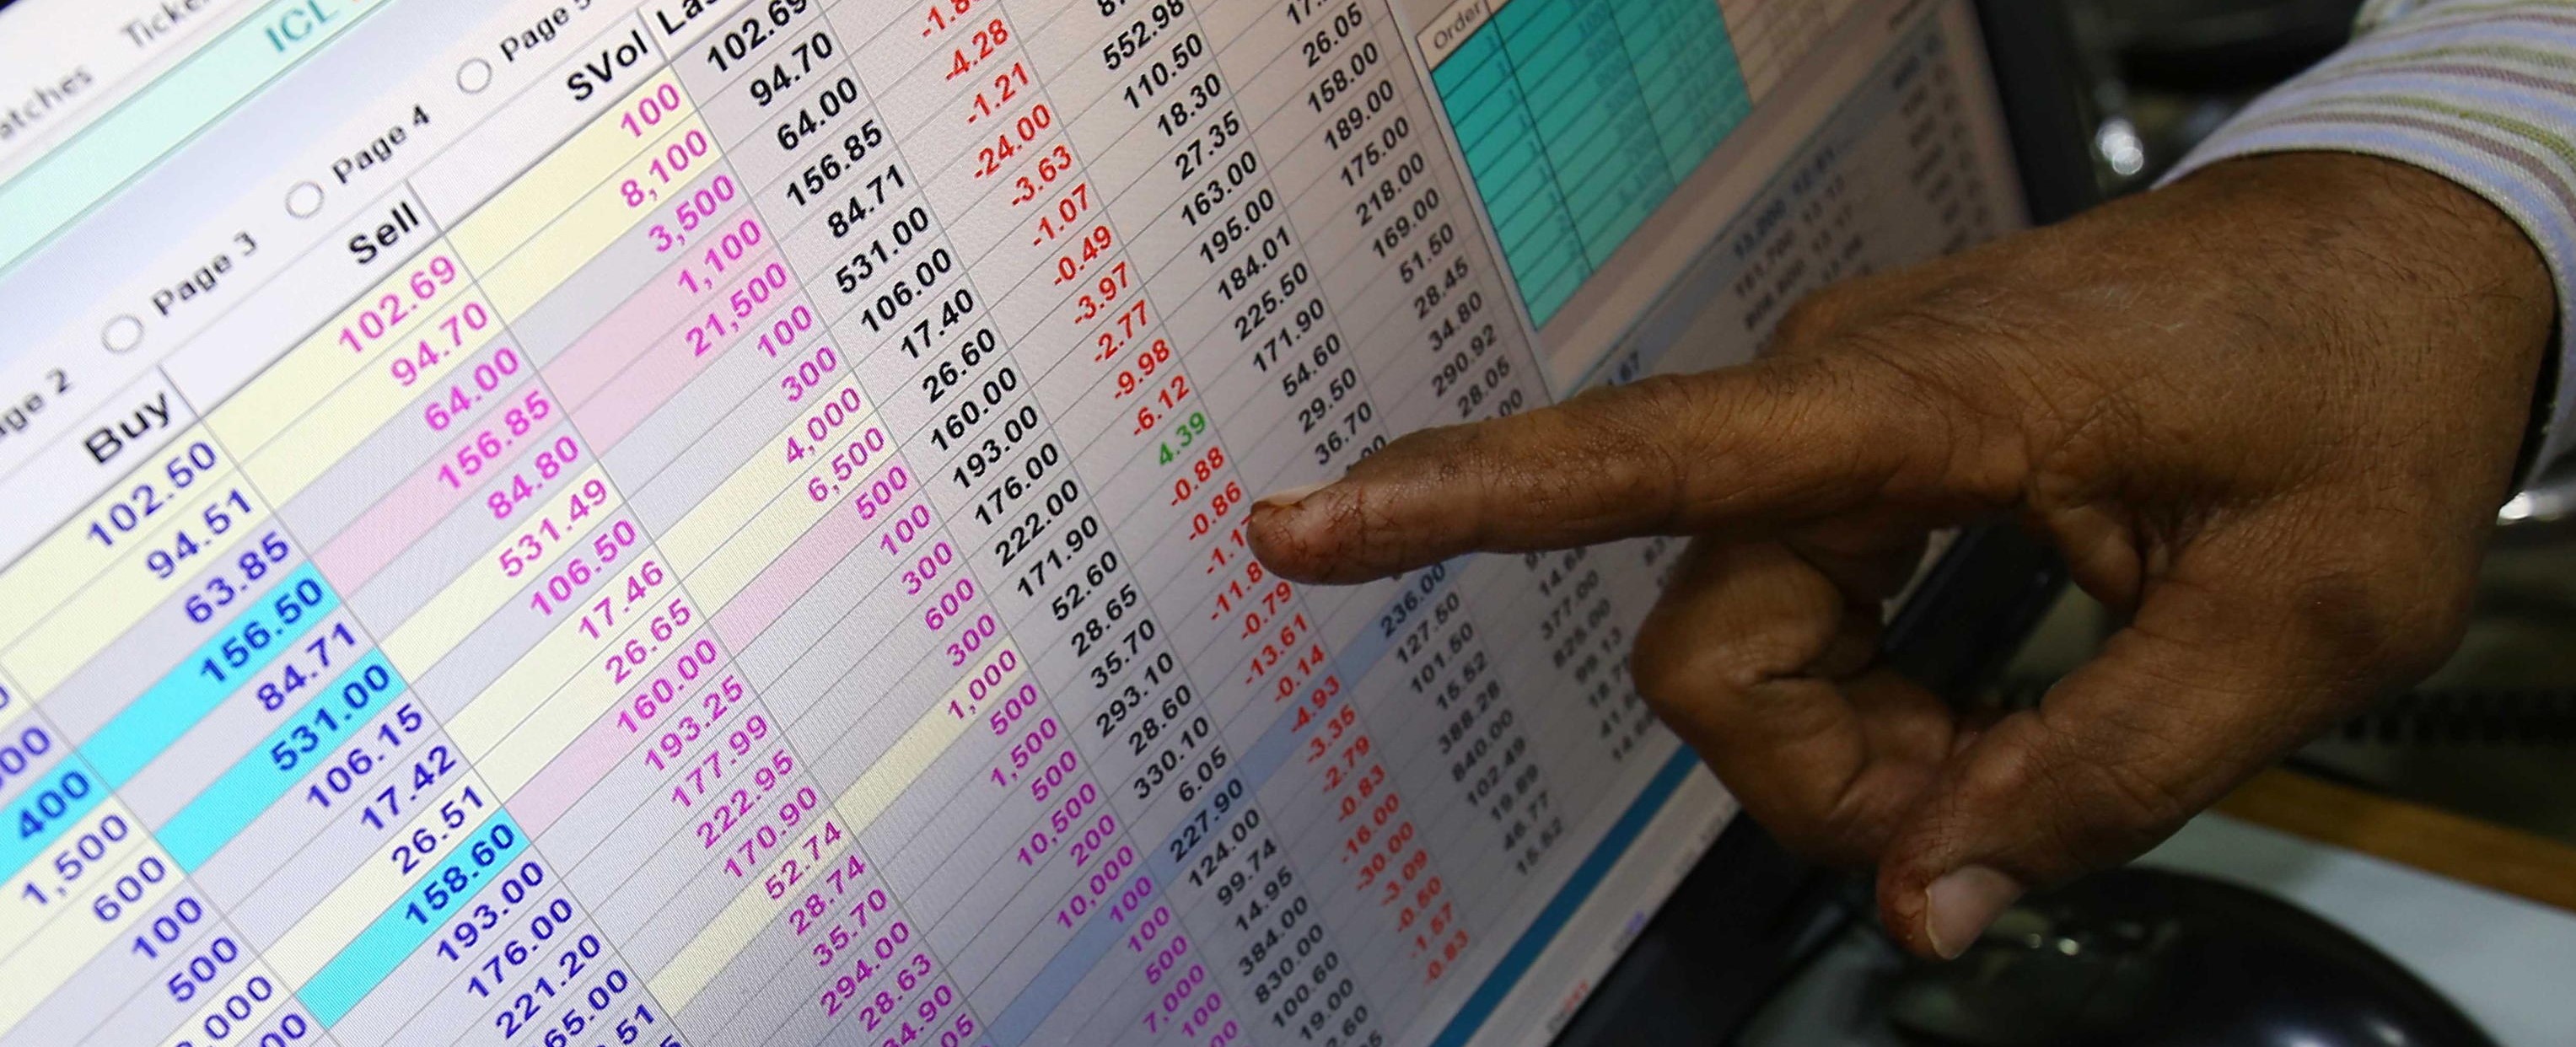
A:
1288,498
1959,907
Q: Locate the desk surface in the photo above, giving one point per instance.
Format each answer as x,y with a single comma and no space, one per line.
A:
2430,839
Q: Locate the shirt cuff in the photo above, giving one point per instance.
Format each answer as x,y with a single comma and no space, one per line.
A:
2483,94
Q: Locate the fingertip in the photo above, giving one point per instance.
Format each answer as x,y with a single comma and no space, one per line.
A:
1959,906
1289,536
1940,916
1288,498
1902,902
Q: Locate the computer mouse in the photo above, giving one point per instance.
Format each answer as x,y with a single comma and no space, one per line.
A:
2147,958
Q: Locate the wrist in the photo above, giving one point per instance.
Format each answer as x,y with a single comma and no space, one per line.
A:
2379,263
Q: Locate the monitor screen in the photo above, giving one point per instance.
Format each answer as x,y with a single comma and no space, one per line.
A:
611,522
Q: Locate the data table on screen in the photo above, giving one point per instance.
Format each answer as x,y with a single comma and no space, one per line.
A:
682,597
745,545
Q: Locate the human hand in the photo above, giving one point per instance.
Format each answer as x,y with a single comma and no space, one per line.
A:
2268,413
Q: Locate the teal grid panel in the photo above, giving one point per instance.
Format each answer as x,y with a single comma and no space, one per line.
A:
1579,117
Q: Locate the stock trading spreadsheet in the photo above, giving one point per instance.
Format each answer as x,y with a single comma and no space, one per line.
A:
718,522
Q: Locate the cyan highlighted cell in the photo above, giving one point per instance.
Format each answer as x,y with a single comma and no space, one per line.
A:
1620,100
472,862
271,627
307,739
38,818
1467,59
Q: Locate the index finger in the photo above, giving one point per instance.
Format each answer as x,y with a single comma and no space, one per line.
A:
1772,441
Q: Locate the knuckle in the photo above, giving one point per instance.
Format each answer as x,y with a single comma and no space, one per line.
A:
2086,808
1944,414
2005,771
2394,623
1811,320
1672,667
1631,445
1636,414
2371,598
1687,658
2139,807
1687,676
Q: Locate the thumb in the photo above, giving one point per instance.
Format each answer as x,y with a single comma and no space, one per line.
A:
2202,691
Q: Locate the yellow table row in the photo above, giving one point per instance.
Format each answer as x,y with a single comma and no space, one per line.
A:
857,808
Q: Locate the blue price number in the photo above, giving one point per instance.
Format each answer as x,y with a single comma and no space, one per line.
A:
290,1029
199,973
236,1008
634,1027
513,955
18,754
600,999
325,721
432,768
168,928
129,888
145,499
523,1011
455,881
52,802
254,636
219,592
411,854
289,606
164,561
292,676
74,860
468,931
343,775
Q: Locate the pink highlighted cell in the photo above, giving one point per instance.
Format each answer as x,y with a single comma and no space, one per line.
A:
670,692
654,314
787,578
642,389
414,506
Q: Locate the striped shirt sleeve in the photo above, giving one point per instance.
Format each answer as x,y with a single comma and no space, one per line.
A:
2481,91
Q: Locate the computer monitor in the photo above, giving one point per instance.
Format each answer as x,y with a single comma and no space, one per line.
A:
589,522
